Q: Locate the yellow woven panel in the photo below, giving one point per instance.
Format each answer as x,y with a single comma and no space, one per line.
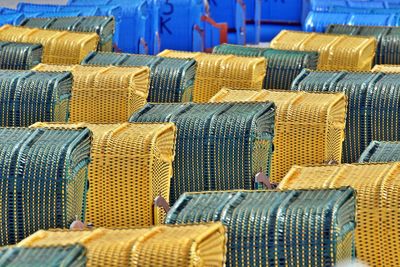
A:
131,165
105,94
170,246
336,52
217,71
309,127
386,68
59,47
378,204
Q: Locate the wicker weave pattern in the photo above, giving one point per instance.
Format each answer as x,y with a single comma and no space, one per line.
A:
336,52
131,165
309,127
27,97
103,26
44,179
66,256
217,71
219,146
170,246
19,56
283,66
378,213
171,79
388,39
287,228
105,94
373,110
386,68
59,47
381,151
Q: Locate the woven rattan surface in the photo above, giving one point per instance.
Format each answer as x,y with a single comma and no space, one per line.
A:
171,79
373,105
217,71
103,26
27,97
388,39
378,211
386,68
219,146
19,56
336,52
59,47
381,151
56,256
309,127
277,228
283,65
44,175
105,94
131,165
170,246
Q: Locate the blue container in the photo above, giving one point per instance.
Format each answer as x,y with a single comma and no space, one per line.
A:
14,19
130,21
319,21
281,10
180,25
270,30
234,14
148,39
277,15
253,21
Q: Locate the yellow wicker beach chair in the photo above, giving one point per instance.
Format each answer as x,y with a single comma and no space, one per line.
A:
59,47
105,94
309,127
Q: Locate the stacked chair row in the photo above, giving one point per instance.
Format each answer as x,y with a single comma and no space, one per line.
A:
144,27
131,164
171,79
19,56
29,96
104,94
67,256
377,187
170,246
309,127
103,26
372,105
381,151
59,47
223,145
387,50
45,179
280,233
336,52
282,65
217,71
